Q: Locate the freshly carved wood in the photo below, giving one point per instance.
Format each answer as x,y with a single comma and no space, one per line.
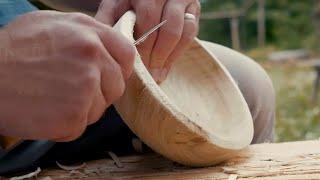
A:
197,117
296,160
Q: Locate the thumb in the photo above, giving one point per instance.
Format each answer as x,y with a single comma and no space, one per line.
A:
111,10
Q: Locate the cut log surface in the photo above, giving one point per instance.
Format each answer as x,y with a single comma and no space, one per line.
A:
296,160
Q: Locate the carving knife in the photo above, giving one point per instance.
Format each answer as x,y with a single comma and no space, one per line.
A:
147,34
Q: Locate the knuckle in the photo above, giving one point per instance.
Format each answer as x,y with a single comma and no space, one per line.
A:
89,47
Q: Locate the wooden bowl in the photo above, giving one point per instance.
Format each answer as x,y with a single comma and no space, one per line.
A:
197,116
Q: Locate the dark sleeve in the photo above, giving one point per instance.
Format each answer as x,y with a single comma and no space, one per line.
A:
73,5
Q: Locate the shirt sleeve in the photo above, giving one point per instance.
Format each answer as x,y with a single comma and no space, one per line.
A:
10,9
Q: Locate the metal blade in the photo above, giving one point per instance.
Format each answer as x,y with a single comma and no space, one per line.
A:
147,34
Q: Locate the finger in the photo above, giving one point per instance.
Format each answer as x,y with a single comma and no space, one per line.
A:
190,31
168,37
97,108
116,44
118,65
120,49
112,81
148,15
111,10
112,84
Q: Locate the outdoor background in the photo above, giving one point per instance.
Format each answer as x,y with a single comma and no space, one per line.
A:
289,25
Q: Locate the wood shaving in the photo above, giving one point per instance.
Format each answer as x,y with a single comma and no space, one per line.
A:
233,177
46,178
70,168
78,174
137,145
229,169
115,158
27,176
91,171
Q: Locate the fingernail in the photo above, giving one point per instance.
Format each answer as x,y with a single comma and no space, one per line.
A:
156,74
164,75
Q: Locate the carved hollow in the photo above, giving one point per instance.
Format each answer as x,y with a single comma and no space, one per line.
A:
197,116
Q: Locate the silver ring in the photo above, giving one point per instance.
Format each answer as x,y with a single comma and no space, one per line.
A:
189,16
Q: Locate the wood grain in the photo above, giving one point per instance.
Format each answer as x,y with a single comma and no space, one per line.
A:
296,160
197,117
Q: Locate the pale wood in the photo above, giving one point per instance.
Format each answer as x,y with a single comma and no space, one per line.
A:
197,117
296,160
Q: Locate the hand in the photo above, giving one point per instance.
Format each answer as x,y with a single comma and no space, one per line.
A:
160,50
58,74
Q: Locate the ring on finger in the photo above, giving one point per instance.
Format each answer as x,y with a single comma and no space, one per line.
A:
189,16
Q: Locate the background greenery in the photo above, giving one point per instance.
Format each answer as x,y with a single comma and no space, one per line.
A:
288,23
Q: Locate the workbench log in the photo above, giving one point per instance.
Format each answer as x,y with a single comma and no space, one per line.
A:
295,160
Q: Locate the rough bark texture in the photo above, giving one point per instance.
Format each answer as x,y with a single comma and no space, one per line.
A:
296,160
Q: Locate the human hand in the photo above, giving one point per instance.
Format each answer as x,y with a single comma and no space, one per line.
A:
58,74
161,48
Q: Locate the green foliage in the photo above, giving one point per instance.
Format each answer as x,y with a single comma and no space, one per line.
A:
297,118
288,22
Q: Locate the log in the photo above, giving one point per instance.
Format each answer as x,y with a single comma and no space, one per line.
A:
295,160
281,56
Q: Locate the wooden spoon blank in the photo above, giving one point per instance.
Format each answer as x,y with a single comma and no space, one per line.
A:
197,117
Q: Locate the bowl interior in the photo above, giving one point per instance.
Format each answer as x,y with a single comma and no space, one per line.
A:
202,89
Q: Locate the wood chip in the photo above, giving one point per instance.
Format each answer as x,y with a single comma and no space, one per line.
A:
76,173
27,176
137,145
46,178
233,177
115,158
229,170
70,168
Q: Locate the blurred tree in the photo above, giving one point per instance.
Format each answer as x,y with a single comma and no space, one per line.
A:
288,23
313,39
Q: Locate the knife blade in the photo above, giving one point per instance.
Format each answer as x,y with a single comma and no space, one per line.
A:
147,34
